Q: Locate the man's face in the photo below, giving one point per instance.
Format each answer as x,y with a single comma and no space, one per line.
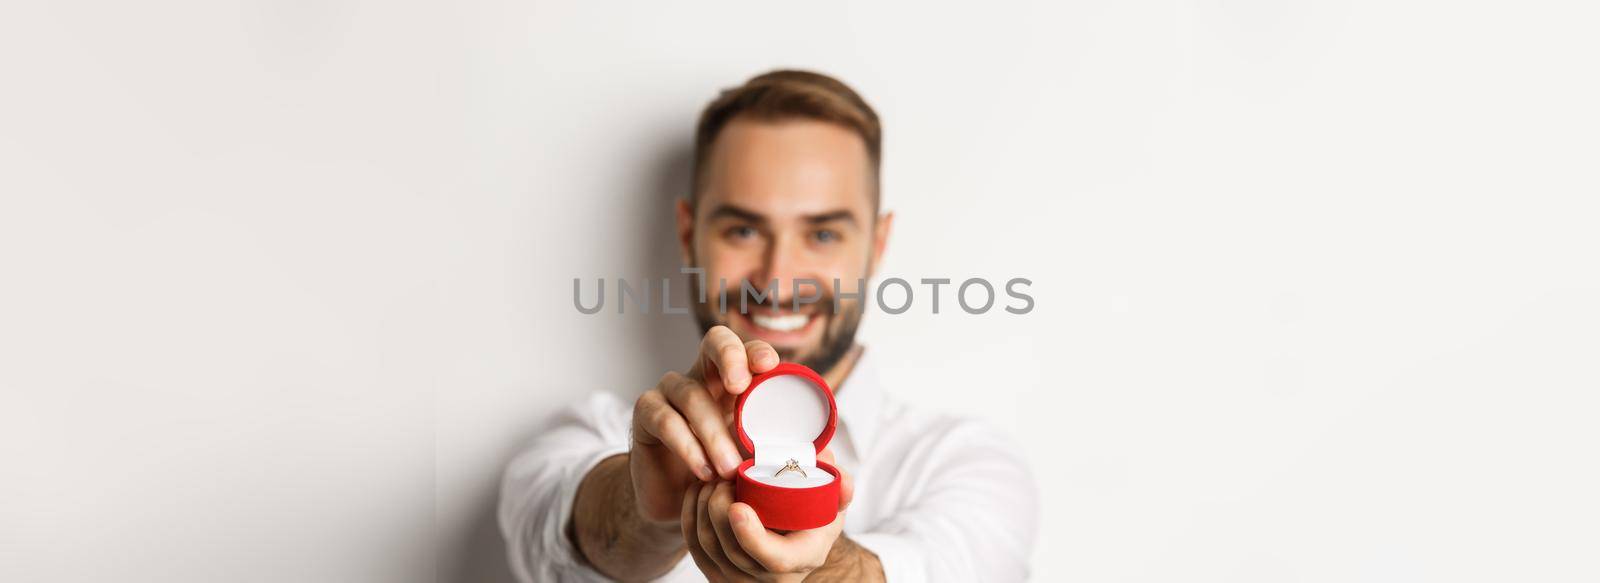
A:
786,200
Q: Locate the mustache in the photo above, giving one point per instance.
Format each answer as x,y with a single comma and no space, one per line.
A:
747,297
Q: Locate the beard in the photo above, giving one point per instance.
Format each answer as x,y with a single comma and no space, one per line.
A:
840,322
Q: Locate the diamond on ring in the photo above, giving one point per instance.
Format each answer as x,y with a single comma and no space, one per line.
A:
792,466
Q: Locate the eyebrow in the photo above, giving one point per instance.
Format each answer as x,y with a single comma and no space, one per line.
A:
830,216
725,210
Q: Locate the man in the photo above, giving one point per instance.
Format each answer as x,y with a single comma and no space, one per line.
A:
785,196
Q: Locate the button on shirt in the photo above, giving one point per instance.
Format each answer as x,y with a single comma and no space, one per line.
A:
937,497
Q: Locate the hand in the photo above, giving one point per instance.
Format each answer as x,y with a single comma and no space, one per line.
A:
681,427
729,543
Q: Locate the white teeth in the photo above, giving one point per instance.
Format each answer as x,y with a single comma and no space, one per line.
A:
788,323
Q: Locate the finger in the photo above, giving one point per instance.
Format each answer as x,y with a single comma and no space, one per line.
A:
762,356
846,482
686,514
704,417
810,545
765,546
656,422
727,368
691,539
795,551
847,489
705,534
721,499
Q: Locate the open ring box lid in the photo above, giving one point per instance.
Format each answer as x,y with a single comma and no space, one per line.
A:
788,413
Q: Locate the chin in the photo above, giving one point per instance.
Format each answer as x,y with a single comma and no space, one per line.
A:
788,351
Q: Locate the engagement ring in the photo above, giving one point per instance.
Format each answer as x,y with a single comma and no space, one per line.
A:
792,466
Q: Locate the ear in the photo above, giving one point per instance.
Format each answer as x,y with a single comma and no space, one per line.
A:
686,230
880,239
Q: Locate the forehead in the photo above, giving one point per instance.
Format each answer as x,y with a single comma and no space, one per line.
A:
789,168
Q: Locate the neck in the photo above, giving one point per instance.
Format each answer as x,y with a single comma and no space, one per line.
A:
841,371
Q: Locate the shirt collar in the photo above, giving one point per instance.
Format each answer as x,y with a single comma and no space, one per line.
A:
860,399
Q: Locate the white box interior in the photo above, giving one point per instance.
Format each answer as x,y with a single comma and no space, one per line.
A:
783,417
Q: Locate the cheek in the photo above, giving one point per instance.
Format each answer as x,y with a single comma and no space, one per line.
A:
847,269
727,265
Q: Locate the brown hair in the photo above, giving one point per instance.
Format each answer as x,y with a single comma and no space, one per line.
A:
788,94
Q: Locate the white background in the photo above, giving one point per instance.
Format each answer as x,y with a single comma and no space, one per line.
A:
284,284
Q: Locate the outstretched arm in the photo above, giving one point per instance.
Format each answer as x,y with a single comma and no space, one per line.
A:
613,537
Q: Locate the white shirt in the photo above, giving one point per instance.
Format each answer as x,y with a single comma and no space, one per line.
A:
937,498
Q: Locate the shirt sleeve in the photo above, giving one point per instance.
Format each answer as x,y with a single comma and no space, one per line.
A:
539,487
970,513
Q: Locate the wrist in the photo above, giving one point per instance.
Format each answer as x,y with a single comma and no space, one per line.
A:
848,561
627,499
611,533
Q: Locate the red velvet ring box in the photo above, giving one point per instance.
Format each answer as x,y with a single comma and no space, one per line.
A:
788,413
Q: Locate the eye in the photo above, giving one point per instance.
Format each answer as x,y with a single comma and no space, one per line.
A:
742,232
826,236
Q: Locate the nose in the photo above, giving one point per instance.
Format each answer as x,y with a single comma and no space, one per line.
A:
785,262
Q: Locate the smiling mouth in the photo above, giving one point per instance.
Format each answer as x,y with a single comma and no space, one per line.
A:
781,322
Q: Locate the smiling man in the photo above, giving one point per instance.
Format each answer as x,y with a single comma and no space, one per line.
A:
785,202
